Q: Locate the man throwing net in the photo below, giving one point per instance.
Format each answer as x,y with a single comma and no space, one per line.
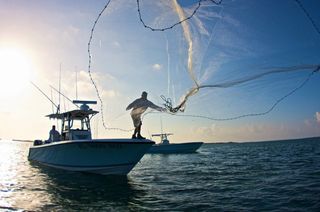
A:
139,106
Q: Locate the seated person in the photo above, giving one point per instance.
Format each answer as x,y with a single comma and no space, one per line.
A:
54,135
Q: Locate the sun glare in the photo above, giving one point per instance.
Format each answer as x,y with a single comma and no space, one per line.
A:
15,70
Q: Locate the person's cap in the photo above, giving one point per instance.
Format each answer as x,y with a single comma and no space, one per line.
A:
144,93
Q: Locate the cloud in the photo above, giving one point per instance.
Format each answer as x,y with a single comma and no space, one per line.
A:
116,44
250,132
308,122
100,80
109,93
156,67
318,116
207,130
85,88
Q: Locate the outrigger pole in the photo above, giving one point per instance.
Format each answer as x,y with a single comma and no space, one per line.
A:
45,95
64,96
59,88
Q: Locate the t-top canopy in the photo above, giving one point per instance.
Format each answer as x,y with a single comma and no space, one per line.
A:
162,134
73,114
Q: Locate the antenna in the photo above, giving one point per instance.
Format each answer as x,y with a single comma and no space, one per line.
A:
76,82
161,128
161,124
59,88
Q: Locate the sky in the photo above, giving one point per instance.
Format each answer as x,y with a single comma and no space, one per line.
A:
231,41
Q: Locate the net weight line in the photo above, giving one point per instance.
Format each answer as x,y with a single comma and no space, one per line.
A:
168,103
90,74
173,111
177,23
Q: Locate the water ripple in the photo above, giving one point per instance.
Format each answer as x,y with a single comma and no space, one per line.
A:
277,176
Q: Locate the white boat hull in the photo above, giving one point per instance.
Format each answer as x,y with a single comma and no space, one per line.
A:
100,156
175,148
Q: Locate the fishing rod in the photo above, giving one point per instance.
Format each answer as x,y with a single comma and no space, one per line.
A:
59,86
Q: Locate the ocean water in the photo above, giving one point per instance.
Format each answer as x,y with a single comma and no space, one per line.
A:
262,176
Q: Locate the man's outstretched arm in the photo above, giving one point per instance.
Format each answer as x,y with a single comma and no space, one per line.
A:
156,107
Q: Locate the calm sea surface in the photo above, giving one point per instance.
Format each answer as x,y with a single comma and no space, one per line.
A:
266,176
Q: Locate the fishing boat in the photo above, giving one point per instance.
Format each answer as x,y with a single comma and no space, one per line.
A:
165,147
77,151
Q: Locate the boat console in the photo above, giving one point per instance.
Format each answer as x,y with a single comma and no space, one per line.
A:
75,124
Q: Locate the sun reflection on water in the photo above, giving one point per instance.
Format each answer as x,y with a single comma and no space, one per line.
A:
8,172
22,187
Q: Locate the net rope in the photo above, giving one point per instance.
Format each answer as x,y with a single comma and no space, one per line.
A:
180,108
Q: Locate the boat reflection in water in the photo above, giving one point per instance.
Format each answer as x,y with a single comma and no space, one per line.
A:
77,151
78,191
165,147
